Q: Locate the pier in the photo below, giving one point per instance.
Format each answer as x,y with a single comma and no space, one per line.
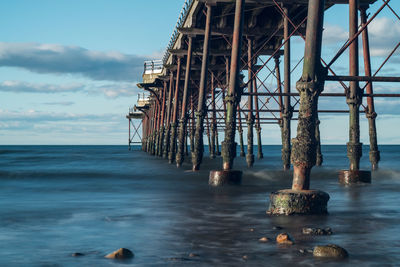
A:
213,84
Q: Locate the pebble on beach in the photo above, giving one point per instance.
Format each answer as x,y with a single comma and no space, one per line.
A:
284,238
330,251
264,239
122,253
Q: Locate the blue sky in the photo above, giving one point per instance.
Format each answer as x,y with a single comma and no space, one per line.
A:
68,69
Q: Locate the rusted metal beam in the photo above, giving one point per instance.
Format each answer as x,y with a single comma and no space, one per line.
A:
184,115
374,154
250,116
197,154
357,78
233,97
354,98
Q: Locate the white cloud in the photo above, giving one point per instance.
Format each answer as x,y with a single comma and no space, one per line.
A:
384,35
25,87
59,59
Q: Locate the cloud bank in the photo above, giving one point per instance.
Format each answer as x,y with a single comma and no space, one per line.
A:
59,59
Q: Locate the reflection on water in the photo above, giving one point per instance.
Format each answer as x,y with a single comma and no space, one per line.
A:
60,200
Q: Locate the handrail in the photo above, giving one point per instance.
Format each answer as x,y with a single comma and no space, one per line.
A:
182,17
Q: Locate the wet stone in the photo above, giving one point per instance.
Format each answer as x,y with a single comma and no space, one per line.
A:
122,253
264,239
330,251
77,254
316,231
284,238
245,257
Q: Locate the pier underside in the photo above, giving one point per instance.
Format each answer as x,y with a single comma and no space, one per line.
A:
227,73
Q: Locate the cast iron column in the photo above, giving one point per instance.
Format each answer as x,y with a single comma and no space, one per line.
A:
197,155
192,126
172,149
310,86
260,154
213,120
354,97
167,130
184,115
287,112
240,130
234,93
162,129
374,154
250,116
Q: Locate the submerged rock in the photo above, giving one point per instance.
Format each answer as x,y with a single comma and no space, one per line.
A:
284,238
316,231
77,254
264,239
122,253
330,251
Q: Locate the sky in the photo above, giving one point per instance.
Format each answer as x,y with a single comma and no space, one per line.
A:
68,69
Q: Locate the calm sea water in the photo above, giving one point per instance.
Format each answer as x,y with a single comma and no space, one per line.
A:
57,200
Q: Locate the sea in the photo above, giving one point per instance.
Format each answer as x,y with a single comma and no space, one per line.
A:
60,200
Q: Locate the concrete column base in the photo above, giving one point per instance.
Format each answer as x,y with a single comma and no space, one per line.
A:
290,202
354,177
223,177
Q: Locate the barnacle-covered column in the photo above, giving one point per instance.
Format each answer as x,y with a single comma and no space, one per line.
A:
168,128
172,149
184,115
319,159
300,199
197,154
354,100
227,175
162,129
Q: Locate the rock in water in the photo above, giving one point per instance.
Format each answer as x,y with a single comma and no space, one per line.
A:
330,251
264,239
316,231
122,253
77,254
284,238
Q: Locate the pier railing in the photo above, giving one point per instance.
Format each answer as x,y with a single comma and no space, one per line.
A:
182,17
153,66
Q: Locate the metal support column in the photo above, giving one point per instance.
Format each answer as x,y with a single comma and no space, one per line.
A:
184,115
250,116
197,154
288,111
310,86
374,154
